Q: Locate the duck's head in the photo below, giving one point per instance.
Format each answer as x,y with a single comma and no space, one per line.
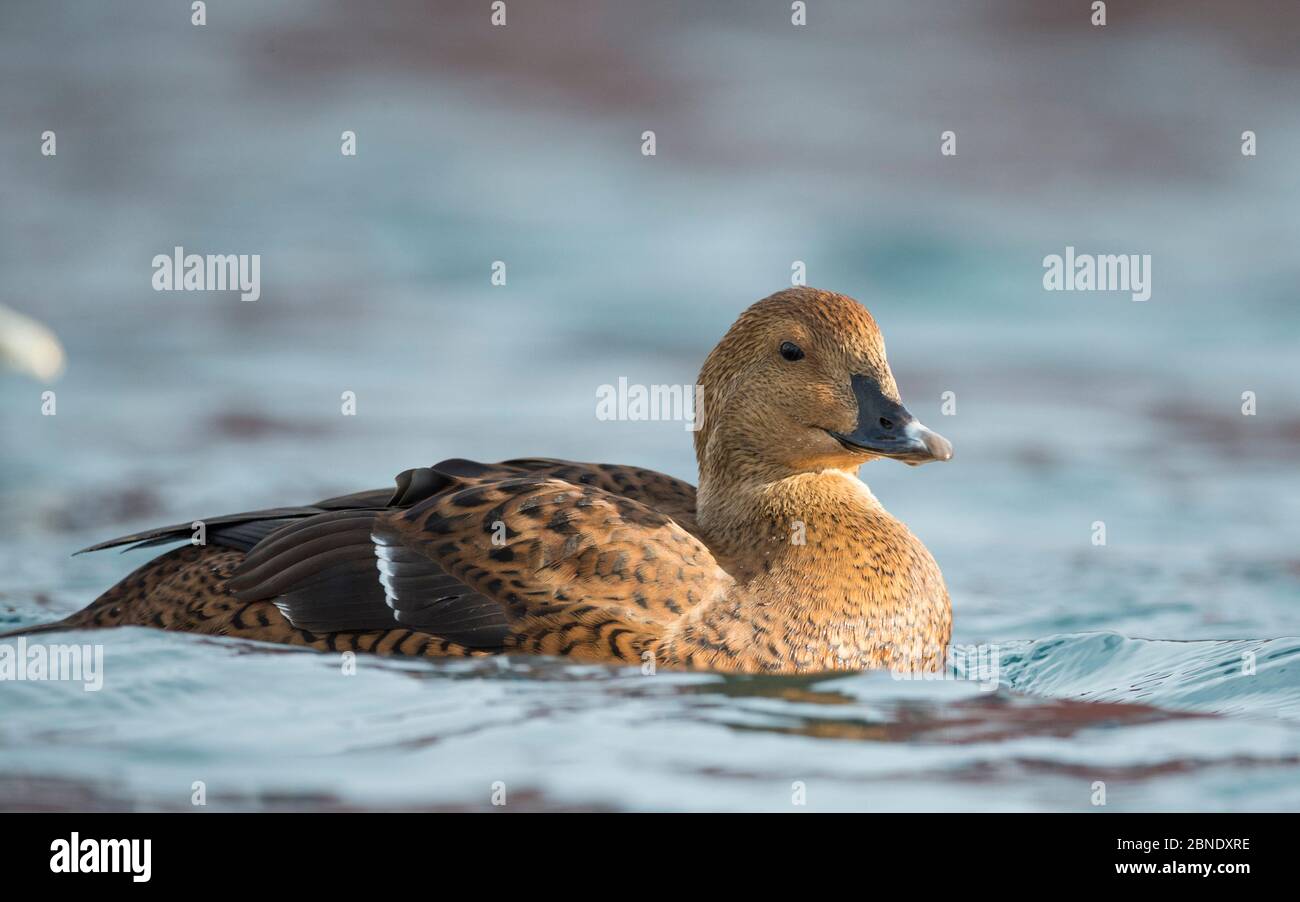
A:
800,383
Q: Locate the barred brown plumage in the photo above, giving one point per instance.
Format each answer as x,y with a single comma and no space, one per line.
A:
782,561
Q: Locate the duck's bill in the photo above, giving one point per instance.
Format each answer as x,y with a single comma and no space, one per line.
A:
915,444
886,429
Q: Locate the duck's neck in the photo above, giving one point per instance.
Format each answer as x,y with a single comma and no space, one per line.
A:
786,528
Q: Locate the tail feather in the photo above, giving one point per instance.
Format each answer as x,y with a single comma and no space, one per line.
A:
36,628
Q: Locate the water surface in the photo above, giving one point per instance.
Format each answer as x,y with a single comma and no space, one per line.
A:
1127,663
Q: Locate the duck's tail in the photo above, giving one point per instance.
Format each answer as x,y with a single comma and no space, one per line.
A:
58,626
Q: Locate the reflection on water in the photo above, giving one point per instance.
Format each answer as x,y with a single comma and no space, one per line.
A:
267,728
1156,663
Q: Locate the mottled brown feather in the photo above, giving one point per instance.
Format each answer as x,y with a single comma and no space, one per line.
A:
579,570
600,562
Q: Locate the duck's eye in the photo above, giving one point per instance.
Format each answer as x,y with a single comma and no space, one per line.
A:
791,351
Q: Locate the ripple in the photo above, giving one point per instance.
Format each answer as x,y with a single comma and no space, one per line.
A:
1259,677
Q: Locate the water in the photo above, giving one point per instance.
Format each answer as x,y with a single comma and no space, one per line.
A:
271,730
1162,664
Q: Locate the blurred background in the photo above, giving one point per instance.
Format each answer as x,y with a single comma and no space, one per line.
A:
774,144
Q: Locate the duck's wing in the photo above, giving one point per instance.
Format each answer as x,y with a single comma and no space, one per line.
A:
317,563
336,566
325,574
577,570
657,491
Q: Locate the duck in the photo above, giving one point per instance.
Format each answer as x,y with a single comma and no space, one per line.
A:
780,561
